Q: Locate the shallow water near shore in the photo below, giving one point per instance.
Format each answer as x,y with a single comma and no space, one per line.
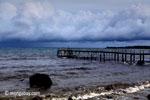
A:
68,75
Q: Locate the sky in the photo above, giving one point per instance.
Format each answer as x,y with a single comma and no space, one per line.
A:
74,23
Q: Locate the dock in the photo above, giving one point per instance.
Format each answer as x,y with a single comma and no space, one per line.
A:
123,55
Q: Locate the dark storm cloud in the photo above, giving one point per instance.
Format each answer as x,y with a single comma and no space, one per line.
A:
39,21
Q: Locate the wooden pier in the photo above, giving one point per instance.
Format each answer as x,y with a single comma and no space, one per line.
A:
123,55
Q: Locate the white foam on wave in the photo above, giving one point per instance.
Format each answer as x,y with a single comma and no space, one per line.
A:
86,96
137,88
133,89
121,91
57,99
91,95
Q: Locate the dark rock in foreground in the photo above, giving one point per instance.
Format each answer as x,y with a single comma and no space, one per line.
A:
148,97
70,98
140,63
40,81
36,98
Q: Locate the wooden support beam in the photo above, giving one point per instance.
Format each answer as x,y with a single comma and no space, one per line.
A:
140,56
115,55
100,57
122,57
104,57
143,56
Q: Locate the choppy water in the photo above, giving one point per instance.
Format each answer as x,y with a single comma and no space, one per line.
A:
18,64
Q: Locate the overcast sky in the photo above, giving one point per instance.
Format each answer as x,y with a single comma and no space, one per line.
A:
86,23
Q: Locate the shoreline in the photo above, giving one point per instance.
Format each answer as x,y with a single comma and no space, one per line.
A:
106,92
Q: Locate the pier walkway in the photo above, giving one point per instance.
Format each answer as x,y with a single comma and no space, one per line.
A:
106,54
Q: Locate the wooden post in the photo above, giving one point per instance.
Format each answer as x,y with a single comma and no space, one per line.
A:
125,55
131,57
91,57
140,56
100,57
118,56
109,56
143,56
122,57
104,57
115,55
88,56
134,57
96,56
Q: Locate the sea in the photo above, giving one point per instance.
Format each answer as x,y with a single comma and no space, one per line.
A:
69,76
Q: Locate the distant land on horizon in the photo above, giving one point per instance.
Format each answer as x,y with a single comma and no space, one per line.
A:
130,47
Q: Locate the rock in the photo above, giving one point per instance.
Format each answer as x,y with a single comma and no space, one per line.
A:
140,63
116,85
148,97
40,81
70,98
109,96
136,98
36,98
21,79
112,86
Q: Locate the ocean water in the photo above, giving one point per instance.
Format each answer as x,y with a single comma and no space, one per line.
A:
18,64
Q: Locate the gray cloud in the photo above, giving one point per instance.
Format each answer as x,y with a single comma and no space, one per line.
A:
40,21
